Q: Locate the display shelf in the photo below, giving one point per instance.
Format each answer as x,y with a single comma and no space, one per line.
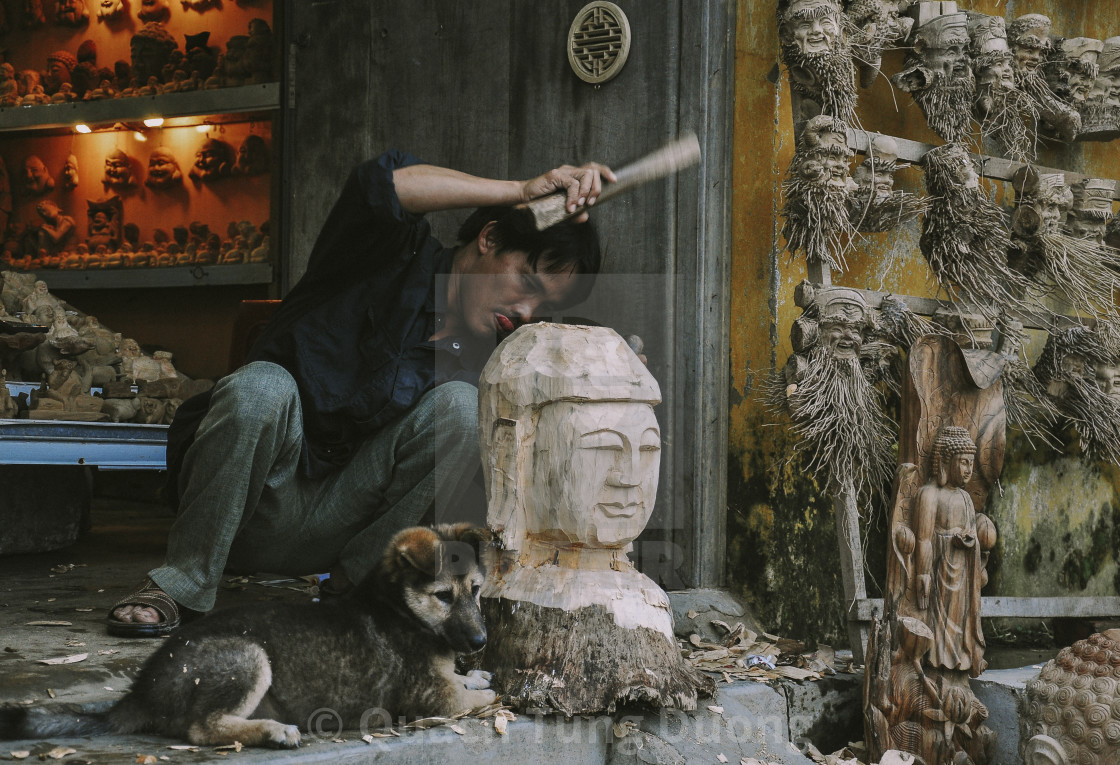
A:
176,276
235,100
97,444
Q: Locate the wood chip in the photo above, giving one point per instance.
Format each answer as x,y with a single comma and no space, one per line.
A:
693,614
235,746
49,623
457,729
184,747
721,758
501,725
84,610
59,752
66,659
22,754
717,710
50,692
146,759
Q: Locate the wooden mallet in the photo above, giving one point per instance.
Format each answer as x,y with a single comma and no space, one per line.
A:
670,158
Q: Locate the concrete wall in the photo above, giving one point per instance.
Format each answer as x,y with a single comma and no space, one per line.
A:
1058,517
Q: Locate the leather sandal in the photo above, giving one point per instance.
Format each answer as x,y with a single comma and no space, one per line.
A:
150,595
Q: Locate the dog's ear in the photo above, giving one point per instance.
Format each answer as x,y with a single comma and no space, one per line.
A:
472,535
416,547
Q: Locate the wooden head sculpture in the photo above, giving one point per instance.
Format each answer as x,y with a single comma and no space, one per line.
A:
570,445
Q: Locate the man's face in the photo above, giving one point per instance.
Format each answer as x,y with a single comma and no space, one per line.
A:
499,291
1051,213
598,463
1080,82
814,36
947,55
117,169
35,175
999,73
1027,56
1086,228
961,467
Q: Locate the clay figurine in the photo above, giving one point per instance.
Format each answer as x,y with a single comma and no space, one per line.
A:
71,13
56,229
59,66
163,170
104,223
108,10
201,6
9,88
40,303
151,48
8,406
118,170
817,55
252,156
33,16
214,160
69,174
36,178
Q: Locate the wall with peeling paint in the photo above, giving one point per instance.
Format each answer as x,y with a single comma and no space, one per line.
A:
1059,518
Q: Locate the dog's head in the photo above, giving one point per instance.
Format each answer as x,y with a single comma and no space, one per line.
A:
437,576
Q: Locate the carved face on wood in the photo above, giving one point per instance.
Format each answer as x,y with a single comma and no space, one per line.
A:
1108,379
118,169
942,45
599,462
36,178
107,9
71,13
163,170
1029,37
813,26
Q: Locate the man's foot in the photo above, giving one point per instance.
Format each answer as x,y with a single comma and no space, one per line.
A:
146,612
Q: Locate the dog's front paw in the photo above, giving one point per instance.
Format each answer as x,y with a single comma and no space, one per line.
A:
476,680
285,737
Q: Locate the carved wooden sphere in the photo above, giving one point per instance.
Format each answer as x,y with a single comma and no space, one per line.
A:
1075,701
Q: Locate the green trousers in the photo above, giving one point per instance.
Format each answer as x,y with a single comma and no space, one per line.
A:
245,505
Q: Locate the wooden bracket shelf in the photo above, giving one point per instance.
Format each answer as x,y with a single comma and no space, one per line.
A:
176,276
237,100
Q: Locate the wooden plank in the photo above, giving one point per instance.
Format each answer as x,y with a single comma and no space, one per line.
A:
246,98
144,278
928,306
990,167
1033,608
846,515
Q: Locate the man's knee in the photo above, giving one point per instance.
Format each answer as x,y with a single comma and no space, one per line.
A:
454,412
261,389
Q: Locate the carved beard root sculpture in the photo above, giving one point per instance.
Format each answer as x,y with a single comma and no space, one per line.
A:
964,236
817,55
875,206
1009,117
1028,406
938,76
1067,369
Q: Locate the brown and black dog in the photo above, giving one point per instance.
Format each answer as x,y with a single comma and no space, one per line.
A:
259,674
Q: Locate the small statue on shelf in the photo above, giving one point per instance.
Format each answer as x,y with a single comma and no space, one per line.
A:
827,388
65,395
258,52
163,170
1004,112
107,10
105,220
118,171
59,66
817,188
876,206
201,6
938,77
1029,38
214,160
40,303
1029,408
37,178
200,57
69,174
9,87
56,229
817,55
8,405
151,48
154,10
71,13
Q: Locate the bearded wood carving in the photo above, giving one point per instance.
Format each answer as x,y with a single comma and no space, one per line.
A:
1074,369
817,54
1072,69
817,190
938,76
1005,113
828,390
875,205
877,25
571,451
1029,38
1100,112
964,235
917,697
1047,248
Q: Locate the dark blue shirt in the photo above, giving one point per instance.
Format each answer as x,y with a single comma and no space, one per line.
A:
354,332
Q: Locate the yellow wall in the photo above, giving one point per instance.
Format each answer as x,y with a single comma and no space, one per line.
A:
781,541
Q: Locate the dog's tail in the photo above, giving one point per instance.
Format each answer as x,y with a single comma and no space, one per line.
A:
18,722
